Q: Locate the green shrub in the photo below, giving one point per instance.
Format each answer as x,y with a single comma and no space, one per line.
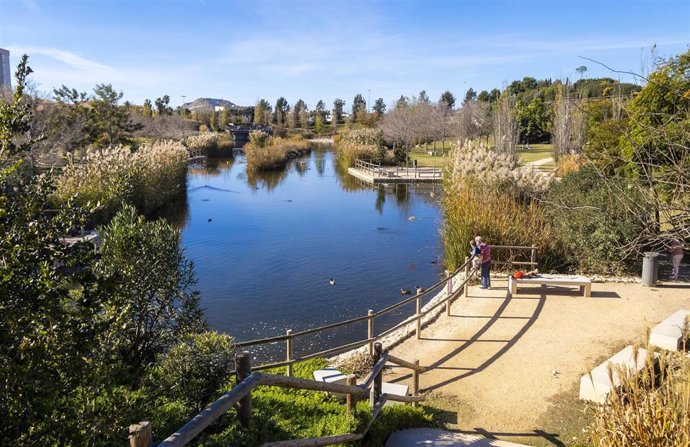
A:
593,225
194,370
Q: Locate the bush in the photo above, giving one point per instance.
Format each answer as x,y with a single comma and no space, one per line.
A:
650,408
148,178
366,144
594,226
193,371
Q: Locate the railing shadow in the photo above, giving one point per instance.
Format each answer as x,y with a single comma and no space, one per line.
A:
550,437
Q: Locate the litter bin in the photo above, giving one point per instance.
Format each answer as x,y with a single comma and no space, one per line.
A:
650,269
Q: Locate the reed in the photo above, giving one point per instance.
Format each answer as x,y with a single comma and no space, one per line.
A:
266,153
210,143
148,178
489,194
366,144
650,408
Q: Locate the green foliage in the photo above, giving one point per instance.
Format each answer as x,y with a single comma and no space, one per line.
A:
533,121
152,304
272,153
15,115
396,417
593,225
194,370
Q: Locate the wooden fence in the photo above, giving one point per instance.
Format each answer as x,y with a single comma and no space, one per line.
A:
140,434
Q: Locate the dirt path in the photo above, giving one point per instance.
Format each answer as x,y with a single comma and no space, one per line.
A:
502,359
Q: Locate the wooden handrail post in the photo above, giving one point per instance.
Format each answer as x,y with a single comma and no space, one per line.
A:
415,382
419,316
243,367
140,435
467,275
448,297
289,352
351,399
378,380
533,256
370,331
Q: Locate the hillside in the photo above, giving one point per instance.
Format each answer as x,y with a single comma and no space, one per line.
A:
208,104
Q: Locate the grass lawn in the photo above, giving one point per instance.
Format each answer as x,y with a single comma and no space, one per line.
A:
537,152
424,159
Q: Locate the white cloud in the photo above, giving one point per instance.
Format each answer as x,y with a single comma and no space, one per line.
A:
72,60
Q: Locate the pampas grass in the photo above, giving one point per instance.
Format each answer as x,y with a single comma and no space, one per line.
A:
266,153
148,178
365,144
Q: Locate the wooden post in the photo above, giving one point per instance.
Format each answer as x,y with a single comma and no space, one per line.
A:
378,380
350,399
140,435
467,275
448,297
419,317
370,331
533,257
415,382
289,352
243,366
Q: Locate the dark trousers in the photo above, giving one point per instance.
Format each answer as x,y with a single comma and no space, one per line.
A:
486,280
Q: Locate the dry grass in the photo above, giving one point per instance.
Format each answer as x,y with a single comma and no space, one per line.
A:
210,143
365,144
266,153
651,408
148,178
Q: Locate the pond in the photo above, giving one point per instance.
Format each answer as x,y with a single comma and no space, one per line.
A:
265,246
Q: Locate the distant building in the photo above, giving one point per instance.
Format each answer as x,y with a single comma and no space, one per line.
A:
219,108
5,70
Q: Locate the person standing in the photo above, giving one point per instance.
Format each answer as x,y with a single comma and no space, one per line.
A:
485,253
677,255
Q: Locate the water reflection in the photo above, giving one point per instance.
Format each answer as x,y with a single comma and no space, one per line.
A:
264,256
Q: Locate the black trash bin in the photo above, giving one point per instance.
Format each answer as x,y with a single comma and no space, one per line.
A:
650,269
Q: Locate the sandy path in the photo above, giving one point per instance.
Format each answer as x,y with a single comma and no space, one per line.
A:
497,355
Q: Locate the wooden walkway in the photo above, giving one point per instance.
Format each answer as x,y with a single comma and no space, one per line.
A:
375,174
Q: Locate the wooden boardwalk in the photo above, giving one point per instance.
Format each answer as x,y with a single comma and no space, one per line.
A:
376,174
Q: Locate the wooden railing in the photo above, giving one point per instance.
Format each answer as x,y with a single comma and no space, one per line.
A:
240,397
395,171
453,290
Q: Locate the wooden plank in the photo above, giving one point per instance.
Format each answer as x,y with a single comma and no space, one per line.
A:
306,384
406,364
378,367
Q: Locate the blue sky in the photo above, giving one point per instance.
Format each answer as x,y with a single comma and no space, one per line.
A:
251,49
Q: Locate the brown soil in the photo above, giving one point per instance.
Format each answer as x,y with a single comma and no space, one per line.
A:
501,365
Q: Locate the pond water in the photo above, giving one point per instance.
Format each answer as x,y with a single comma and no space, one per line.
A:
265,246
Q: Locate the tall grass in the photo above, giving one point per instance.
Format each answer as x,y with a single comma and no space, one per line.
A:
650,408
488,194
210,143
148,178
366,144
266,153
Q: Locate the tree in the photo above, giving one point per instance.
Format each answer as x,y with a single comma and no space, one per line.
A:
423,97
403,101
223,119
470,96
110,122
338,105
533,121
581,69
483,96
359,106
379,107
318,124
447,100
162,105
213,120
505,125
260,109
281,110
320,108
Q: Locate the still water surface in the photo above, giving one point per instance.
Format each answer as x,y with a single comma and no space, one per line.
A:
265,247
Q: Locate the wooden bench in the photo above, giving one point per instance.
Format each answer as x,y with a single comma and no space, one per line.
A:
585,284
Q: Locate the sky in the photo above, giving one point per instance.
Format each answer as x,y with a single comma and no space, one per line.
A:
246,50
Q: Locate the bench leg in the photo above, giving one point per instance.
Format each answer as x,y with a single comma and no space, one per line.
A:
588,290
512,285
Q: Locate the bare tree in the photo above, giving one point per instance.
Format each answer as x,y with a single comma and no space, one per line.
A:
568,132
505,127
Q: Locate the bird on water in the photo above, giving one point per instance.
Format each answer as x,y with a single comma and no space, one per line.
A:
420,290
331,281
405,291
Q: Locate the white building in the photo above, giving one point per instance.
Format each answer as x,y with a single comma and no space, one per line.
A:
5,70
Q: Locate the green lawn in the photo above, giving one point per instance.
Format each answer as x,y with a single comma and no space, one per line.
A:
424,159
537,152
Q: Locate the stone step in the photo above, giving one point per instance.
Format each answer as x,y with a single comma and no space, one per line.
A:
669,333
597,385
